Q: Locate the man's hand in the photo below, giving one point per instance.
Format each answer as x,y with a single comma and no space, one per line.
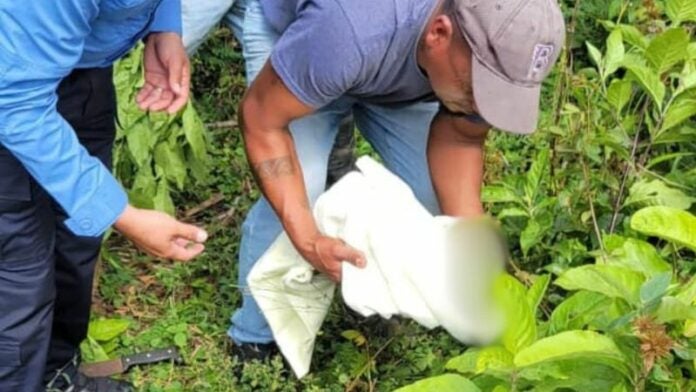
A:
167,74
160,235
326,255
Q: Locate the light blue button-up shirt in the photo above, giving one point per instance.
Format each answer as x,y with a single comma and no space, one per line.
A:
41,42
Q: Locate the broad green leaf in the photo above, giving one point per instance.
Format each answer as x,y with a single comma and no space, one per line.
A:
667,49
443,383
541,372
619,93
569,344
520,330
195,132
668,223
687,292
682,109
464,363
655,287
646,192
531,235
163,199
612,281
170,160
536,292
691,51
648,80
614,54
494,359
92,351
498,194
103,330
634,254
620,387
680,10
140,141
672,309
512,212
536,174
633,36
571,374
690,328
577,311
595,55
687,78
144,188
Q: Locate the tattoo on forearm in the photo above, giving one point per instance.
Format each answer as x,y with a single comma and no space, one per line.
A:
274,168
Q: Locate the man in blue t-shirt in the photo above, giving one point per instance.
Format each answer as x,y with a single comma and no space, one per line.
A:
423,80
57,196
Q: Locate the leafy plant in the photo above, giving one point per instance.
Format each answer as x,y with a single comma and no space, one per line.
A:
102,338
155,153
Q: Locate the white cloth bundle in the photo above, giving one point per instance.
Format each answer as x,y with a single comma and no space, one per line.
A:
438,271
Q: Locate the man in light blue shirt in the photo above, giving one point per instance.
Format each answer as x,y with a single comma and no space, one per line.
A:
57,196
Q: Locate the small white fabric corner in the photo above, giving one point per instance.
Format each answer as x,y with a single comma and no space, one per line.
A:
437,271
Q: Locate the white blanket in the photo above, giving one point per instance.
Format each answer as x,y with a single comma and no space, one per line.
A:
437,271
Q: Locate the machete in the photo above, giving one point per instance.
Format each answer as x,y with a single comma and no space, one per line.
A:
122,364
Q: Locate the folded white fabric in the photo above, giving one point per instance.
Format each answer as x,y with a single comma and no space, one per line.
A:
437,271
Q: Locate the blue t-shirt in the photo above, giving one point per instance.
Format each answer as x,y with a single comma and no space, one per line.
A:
361,48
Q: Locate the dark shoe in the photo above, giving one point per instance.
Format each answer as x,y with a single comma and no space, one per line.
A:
342,158
247,352
68,379
99,384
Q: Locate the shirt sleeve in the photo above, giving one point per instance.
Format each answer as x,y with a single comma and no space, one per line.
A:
317,56
167,17
40,43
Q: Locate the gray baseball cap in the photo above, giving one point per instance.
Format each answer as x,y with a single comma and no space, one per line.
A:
514,43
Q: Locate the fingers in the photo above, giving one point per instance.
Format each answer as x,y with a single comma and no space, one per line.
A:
181,93
144,93
163,102
149,95
185,253
343,252
190,233
187,242
175,68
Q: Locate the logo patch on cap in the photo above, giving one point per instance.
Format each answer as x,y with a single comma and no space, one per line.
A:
541,59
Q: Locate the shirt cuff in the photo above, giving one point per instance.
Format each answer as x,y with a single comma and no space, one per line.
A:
99,213
167,17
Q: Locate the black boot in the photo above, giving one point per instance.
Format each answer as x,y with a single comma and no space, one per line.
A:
247,352
69,379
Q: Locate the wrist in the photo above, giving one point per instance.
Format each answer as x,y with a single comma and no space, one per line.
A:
157,35
124,221
473,210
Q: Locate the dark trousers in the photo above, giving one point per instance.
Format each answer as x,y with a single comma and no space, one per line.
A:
45,271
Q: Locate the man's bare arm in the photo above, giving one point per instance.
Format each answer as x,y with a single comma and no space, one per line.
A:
266,110
455,156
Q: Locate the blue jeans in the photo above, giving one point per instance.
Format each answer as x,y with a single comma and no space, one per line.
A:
199,17
399,135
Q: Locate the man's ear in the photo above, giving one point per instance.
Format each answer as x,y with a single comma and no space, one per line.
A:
438,34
